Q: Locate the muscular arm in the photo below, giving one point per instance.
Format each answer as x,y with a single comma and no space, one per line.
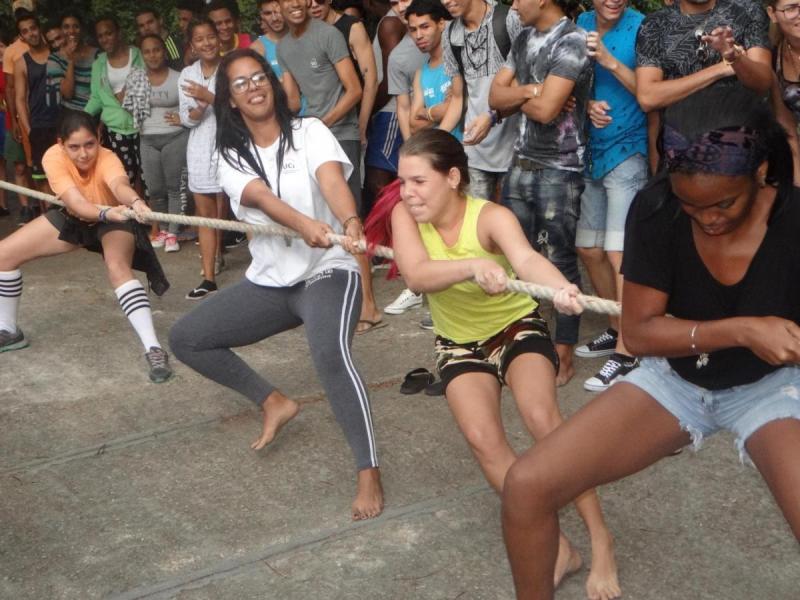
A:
365,57
498,227
292,91
350,97
390,32
21,95
418,105
786,119
404,115
649,332
539,102
754,69
654,92
335,190
421,274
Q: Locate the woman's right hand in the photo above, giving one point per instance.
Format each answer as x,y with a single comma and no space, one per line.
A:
489,275
774,340
315,233
117,214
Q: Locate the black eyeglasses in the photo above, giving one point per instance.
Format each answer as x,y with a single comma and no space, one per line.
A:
241,84
790,12
702,51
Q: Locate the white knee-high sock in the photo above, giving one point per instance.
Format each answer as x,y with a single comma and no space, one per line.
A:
10,292
136,305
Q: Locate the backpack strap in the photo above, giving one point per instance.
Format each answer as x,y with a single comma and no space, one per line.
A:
499,29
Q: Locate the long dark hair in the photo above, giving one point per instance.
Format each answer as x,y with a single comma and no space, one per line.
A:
234,140
720,107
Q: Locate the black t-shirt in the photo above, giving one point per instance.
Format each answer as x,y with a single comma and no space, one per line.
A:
667,39
660,253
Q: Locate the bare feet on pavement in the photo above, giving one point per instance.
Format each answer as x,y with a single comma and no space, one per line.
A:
602,583
568,561
368,503
566,370
278,410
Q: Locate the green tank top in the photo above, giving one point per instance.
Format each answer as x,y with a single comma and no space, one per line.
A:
464,312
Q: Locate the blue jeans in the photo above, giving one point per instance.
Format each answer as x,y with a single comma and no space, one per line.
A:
547,204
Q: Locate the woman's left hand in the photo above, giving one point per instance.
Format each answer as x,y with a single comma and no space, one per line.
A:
196,91
141,210
566,300
355,234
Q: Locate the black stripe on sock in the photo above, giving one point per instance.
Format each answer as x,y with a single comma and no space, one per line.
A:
136,290
134,307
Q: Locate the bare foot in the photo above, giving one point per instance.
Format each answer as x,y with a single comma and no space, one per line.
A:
369,495
568,561
278,410
602,583
566,370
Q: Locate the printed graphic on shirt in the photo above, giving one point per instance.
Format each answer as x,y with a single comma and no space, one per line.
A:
670,40
560,51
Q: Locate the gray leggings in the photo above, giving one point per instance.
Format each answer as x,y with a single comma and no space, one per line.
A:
163,160
328,305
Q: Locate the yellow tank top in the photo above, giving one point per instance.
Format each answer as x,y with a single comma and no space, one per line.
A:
464,312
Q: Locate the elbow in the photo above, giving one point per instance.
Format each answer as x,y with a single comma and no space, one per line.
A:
636,338
646,101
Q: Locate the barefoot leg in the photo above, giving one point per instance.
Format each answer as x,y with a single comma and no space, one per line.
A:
581,454
368,502
278,410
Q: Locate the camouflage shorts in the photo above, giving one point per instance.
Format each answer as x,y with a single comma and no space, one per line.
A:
529,334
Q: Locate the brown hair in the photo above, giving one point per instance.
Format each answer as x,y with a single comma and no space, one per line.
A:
442,150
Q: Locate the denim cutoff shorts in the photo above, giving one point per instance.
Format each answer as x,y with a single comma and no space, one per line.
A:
605,203
742,409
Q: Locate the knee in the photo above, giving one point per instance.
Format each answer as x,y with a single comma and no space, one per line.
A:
181,341
119,271
541,420
485,442
527,491
591,256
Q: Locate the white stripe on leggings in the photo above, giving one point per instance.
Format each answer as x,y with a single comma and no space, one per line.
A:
344,327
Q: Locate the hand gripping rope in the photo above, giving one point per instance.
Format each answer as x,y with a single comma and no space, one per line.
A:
590,303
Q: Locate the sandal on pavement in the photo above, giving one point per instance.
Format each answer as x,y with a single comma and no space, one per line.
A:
371,326
415,381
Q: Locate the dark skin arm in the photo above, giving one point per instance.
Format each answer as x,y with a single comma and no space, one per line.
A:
649,332
390,32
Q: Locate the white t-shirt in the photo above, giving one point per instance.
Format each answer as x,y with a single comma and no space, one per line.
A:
118,75
274,263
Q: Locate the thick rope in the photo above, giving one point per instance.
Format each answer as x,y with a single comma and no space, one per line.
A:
591,303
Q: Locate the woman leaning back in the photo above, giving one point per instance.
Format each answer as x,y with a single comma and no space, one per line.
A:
712,243
92,183
485,336
280,169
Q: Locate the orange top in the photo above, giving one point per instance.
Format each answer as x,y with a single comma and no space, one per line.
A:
12,53
62,174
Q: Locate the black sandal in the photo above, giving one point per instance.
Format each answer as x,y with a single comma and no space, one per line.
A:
415,381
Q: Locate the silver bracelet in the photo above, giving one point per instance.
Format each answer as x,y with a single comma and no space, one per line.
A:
691,337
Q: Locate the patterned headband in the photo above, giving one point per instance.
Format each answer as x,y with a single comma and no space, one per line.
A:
727,151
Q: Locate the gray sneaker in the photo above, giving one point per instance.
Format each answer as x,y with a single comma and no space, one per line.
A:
158,361
12,341
426,322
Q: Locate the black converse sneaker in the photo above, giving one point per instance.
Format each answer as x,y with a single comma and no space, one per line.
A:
202,290
158,361
615,367
12,341
603,345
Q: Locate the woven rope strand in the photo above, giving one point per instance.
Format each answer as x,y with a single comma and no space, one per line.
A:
590,303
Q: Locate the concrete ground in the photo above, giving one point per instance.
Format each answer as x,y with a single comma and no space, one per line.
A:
112,487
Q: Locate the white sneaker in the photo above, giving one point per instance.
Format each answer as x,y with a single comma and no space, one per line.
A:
171,243
405,301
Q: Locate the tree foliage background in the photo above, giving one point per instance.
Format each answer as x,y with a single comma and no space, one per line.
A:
124,10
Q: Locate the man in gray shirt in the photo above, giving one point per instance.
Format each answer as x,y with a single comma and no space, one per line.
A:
314,56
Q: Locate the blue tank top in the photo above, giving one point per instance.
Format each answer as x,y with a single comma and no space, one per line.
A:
435,83
271,49
44,99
